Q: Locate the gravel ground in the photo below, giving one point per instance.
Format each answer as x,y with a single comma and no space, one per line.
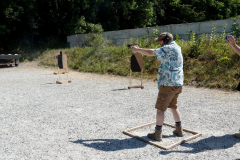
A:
85,119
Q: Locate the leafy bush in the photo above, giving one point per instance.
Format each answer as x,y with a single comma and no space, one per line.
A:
209,61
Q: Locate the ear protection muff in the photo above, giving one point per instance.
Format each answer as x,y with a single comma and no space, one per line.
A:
166,39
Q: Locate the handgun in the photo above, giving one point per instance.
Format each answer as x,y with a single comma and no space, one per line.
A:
229,35
129,45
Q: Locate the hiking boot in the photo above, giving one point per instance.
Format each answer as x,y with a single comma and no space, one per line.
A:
156,136
178,131
237,135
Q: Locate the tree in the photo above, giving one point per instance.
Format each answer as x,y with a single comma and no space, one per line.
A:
29,22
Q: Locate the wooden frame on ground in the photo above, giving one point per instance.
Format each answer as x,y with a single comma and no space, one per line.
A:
157,145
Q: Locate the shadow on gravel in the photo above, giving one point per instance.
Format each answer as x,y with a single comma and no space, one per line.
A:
119,89
211,143
112,144
169,136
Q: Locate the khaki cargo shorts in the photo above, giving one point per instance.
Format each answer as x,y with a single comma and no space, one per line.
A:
167,97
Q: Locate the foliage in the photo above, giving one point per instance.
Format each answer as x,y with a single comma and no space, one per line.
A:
209,61
155,33
36,28
235,29
85,27
30,23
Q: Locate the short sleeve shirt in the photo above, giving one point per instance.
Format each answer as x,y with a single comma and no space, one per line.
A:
170,71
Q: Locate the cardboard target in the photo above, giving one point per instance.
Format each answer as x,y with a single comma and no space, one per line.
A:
60,63
139,59
62,60
238,87
136,62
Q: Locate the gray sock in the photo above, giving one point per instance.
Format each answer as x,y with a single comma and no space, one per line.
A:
158,127
178,124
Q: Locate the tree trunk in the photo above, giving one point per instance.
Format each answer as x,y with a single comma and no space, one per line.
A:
59,31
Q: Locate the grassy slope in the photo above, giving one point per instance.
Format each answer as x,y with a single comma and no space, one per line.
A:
207,62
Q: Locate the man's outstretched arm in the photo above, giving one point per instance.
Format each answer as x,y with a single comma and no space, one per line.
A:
232,43
147,52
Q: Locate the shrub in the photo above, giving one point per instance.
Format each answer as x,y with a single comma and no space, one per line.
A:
208,61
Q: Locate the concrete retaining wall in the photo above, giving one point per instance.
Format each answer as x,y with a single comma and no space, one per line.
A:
120,36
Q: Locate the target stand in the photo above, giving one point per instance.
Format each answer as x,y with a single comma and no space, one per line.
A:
195,135
56,63
136,66
61,60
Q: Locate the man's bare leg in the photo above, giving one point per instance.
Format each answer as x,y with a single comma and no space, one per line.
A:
159,117
176,115
177,118
157,135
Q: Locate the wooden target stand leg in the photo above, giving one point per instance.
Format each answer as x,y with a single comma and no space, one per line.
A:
60,72
66,81
195,135
130,86
56,72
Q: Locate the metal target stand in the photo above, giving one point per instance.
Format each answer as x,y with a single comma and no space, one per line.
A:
195,135
61,60
136,66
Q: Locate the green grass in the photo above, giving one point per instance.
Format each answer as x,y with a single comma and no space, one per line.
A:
208,62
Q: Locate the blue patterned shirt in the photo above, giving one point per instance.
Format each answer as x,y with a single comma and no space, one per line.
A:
170,72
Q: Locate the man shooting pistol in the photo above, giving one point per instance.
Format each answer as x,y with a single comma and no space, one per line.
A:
170,81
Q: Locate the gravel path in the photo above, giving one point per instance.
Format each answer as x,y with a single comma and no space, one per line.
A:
85,119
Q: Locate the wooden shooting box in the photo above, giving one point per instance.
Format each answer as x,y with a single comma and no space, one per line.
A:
195,135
